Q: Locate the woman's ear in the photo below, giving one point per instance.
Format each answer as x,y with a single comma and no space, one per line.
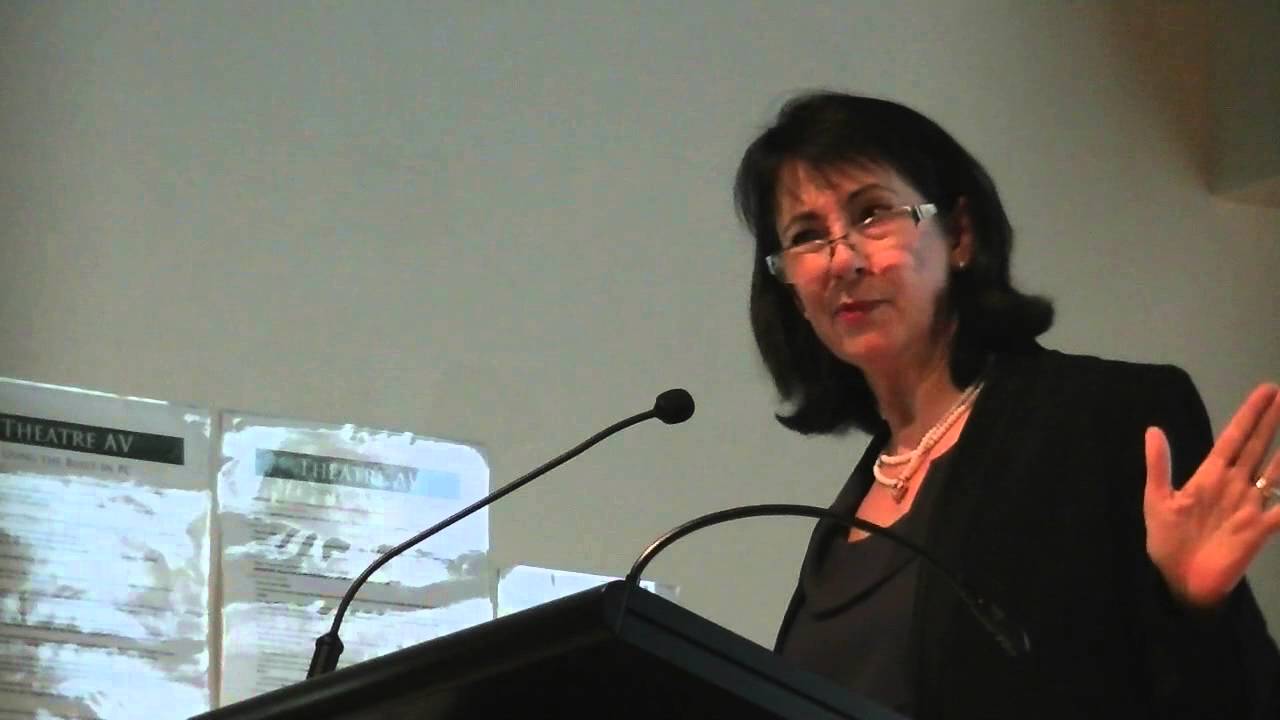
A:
960,227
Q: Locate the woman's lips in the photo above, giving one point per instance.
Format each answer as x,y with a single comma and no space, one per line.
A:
855,310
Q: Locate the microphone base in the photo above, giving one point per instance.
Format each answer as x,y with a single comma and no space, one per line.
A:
325,659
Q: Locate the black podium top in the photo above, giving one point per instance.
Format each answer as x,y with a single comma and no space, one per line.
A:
570,658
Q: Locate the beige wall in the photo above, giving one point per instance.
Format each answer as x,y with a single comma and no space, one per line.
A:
510,223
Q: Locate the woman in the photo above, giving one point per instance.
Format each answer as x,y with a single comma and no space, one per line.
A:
881,301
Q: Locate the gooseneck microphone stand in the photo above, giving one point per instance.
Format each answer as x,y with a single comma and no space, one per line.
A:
671,407
1008,634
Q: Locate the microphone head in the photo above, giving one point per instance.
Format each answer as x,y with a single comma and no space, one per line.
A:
673,406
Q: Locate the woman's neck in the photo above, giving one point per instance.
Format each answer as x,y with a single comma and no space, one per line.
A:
912,397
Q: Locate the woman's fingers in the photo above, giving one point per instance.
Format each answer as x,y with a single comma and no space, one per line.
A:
1271,519
1271,508
1159,473
1235,439
1270,473
1255,448
1238,453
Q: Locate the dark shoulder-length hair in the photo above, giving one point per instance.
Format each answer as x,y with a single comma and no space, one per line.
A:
826,130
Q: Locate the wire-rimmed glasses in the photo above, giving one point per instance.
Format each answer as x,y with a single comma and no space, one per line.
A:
811,258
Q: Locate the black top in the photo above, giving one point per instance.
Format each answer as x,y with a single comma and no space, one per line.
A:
1042,513
858,597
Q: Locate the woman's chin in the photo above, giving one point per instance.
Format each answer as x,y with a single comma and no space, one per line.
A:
867,351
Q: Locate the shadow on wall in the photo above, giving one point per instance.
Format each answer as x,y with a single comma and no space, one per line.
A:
1167,45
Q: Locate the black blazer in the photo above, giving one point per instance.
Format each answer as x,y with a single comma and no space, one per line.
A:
1042,512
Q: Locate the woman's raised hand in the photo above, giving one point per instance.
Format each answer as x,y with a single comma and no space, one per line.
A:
1203,536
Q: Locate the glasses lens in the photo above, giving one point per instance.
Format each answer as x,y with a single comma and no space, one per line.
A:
799,262
887,224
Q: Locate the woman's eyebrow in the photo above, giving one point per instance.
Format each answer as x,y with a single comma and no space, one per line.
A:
871,189
804,218
813,216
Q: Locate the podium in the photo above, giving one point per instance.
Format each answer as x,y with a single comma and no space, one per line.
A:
589,654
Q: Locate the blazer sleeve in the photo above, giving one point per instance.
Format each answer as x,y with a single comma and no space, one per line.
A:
1200,664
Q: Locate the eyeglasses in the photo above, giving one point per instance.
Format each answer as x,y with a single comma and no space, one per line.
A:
811,258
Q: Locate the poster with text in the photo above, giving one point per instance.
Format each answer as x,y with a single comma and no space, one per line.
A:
304,508
105,505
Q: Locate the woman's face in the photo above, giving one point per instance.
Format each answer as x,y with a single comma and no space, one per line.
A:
874,307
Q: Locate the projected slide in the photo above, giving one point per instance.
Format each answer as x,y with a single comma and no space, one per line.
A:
304,508
104,555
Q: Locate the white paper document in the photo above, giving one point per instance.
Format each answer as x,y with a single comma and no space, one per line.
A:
104,555
304,508
524,586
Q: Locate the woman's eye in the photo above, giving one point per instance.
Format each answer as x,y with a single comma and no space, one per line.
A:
873,213
805,236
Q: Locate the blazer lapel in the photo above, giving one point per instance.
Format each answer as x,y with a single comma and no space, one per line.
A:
846,503
989,433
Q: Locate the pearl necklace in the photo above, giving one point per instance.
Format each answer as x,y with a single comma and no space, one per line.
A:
914,457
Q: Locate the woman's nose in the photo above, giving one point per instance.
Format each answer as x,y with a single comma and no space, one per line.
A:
846,257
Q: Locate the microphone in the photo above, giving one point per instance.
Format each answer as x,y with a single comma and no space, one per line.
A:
1007,633
671,407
